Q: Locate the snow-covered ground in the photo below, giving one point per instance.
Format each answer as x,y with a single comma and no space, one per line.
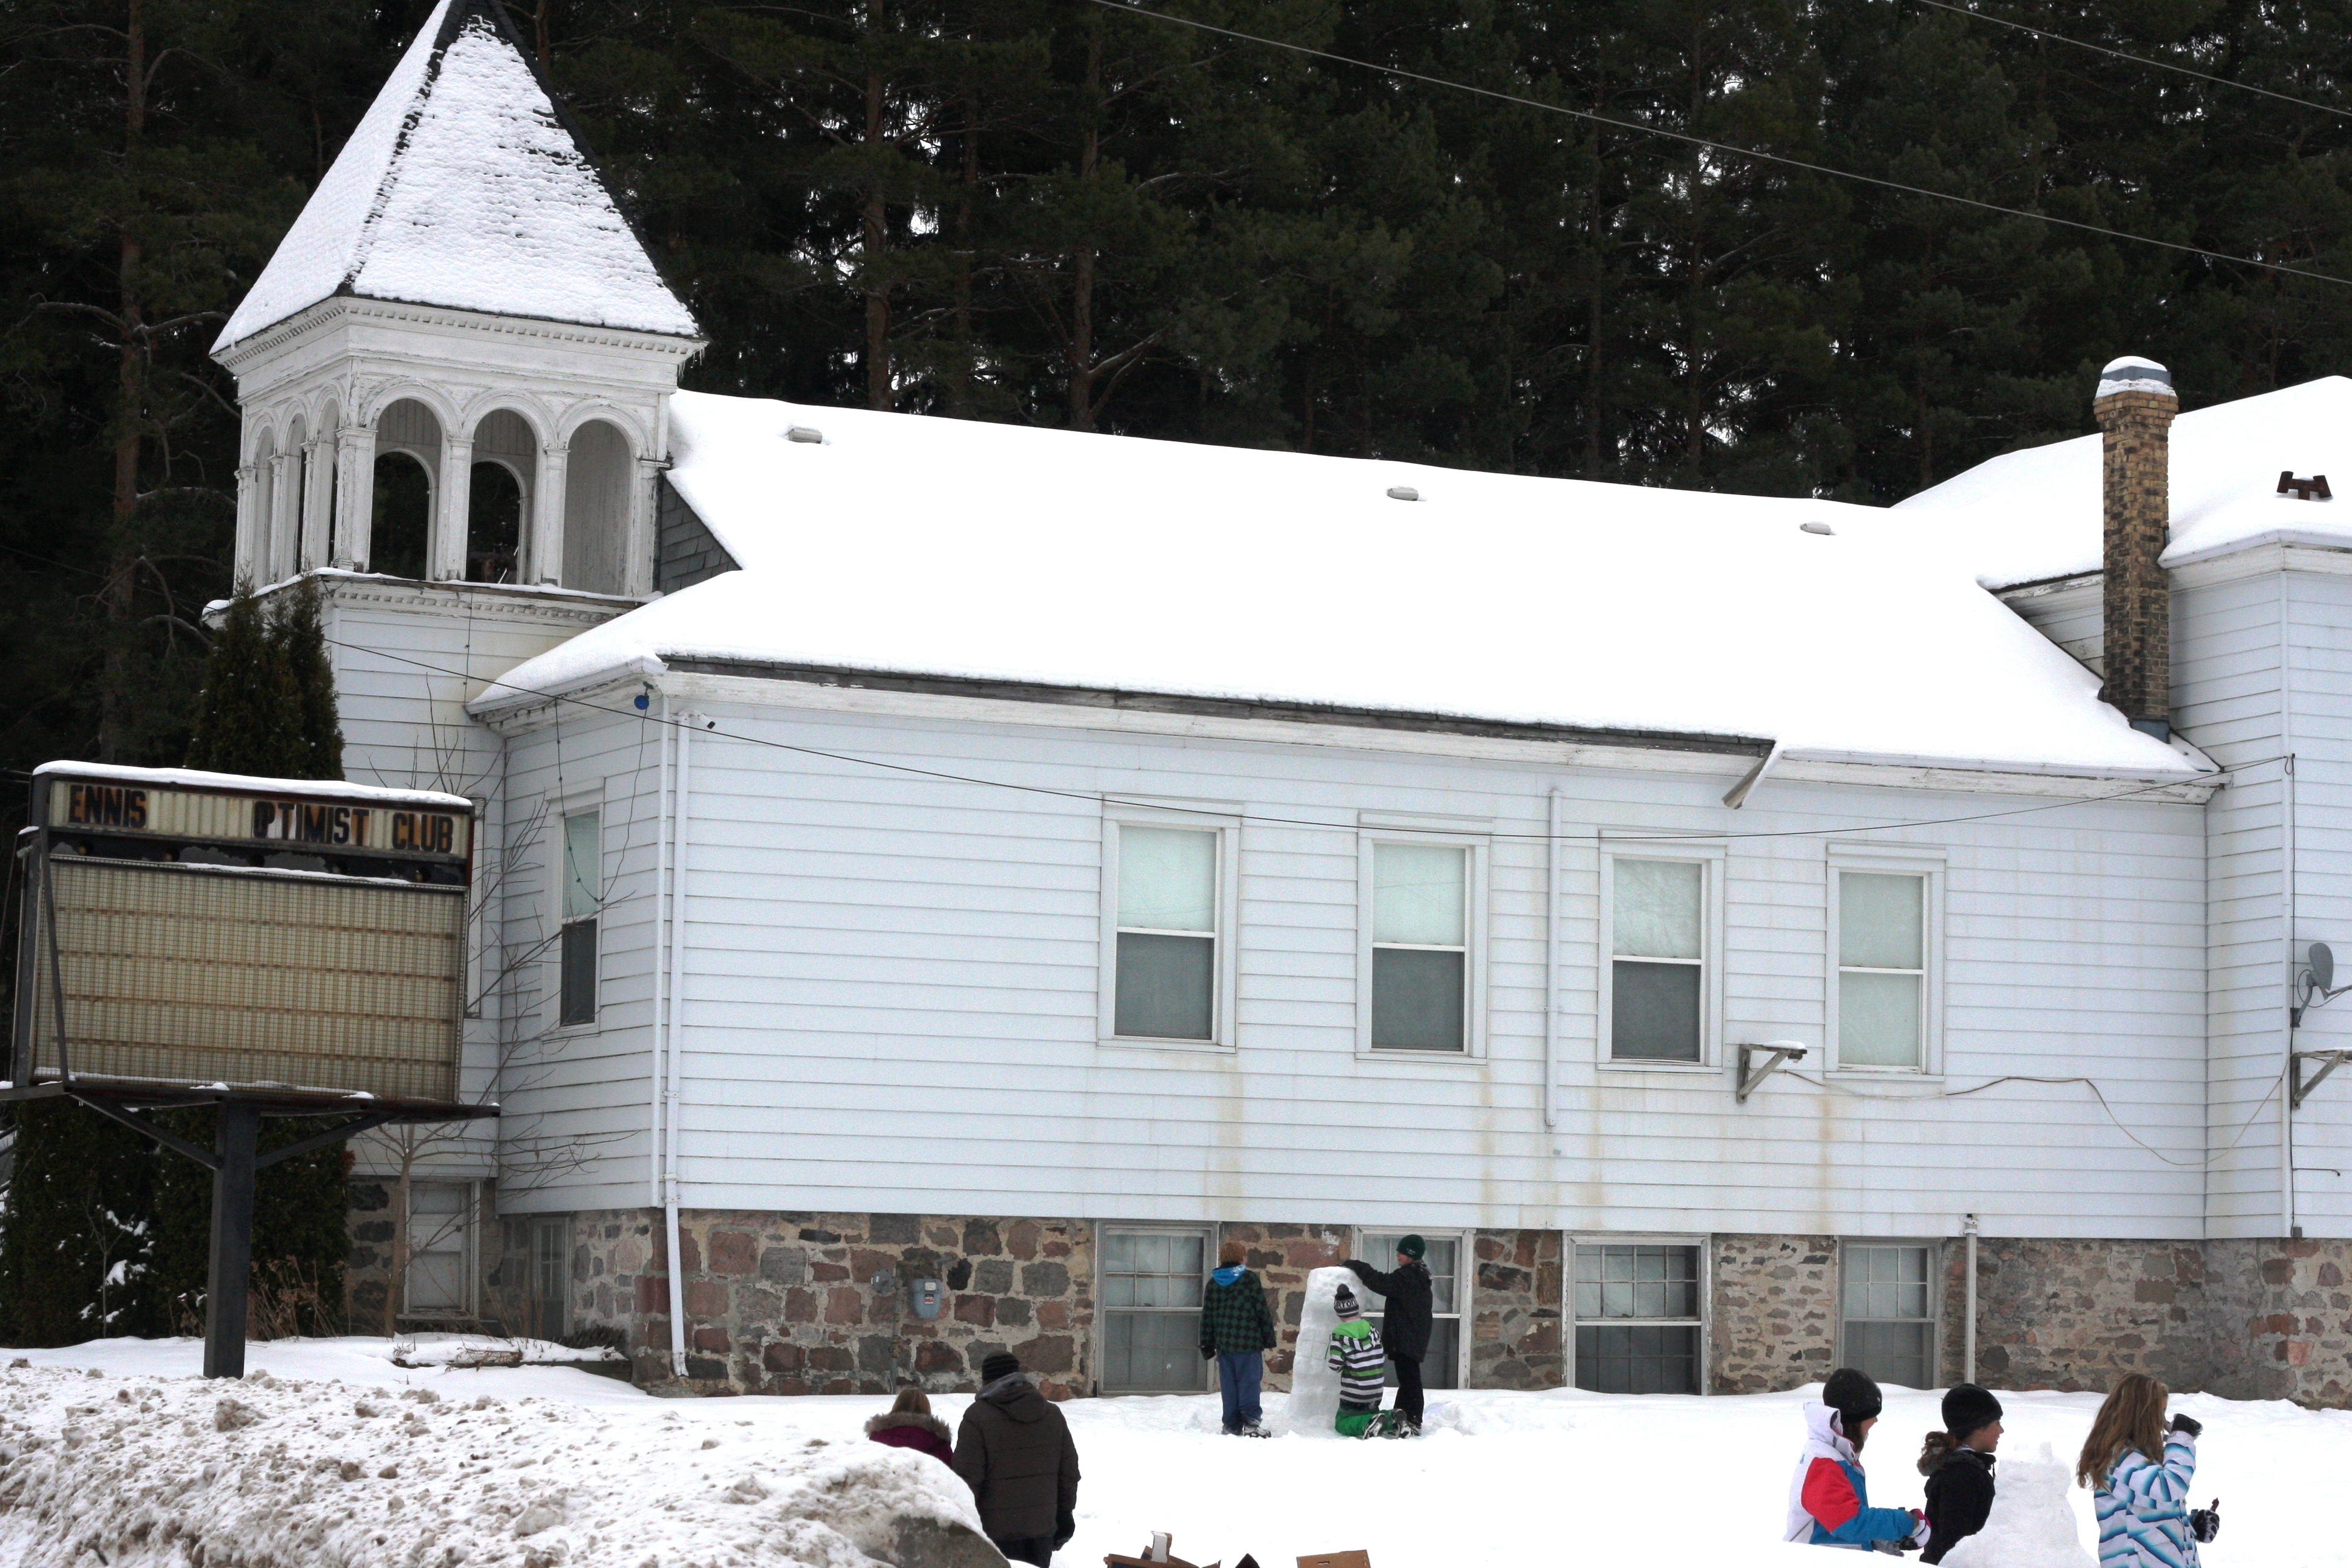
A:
619,1476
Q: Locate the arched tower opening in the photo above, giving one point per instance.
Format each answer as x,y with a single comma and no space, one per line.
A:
506,458
407,464
597,510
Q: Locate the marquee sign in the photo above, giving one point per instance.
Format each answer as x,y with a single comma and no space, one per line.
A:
184,929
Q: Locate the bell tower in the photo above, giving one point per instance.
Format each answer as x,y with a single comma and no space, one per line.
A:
457,367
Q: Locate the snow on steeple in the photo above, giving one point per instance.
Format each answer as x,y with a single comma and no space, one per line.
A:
463,186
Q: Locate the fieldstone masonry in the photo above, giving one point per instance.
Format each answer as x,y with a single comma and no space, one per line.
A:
817,1304
1773,1320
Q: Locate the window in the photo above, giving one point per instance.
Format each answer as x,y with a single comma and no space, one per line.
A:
1442,1366
1889,1313
583,845
1638,1317
1421,947
440,1279
1169,906
1658,966
1882,969
551,1276
1152,1282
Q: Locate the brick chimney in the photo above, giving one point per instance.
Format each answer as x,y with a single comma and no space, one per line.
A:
2135,408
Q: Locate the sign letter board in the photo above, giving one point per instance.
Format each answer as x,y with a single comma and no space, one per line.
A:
210,928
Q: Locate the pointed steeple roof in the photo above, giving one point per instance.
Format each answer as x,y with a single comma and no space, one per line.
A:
464,186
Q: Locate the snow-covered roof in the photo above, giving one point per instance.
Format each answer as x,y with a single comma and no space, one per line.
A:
463,187
944,547
2029,516
251,783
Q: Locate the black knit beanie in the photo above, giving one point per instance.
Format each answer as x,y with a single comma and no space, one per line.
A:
1343,1303
1853,1396
996,1366
1967,1407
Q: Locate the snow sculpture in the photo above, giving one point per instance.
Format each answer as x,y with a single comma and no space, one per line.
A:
2033,1523
1314,1399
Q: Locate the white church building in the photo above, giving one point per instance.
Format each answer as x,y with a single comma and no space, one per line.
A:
1743,935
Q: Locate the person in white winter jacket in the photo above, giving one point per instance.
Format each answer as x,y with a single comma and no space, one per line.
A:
1828,1497
2143,1501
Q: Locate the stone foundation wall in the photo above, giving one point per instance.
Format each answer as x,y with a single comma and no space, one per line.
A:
1774,1312
1515,1310
2076,1314
2279,1319
367,1274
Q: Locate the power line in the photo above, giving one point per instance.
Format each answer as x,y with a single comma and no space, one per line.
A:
2135,60
1737,151
1102,798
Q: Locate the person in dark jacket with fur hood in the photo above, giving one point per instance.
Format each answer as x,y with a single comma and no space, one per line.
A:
1404,1321
1957,1462
1014,1451
910,1423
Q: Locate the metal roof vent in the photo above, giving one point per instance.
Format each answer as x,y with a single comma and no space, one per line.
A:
1815,528
808,433
1403,492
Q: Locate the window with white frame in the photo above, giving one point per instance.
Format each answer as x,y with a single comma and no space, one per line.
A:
1422,925
1168,967
1657,962
1887,1313
1881,968
582,878
439,1281
1640,1323
1151,1286
1440,1364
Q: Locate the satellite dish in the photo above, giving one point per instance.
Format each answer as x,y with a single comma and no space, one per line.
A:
2322,966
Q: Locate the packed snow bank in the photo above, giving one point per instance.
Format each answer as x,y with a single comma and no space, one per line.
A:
2032,1522
168,1470
1506,1476
487,1349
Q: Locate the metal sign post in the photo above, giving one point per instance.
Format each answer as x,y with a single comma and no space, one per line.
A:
260,947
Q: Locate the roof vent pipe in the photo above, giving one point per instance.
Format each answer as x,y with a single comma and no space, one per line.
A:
2134,407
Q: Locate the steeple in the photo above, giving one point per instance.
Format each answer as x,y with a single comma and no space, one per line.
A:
465,186
457,365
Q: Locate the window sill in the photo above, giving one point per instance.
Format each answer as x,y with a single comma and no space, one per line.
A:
1897,1077
1153,1043
1415,1059
1610,1064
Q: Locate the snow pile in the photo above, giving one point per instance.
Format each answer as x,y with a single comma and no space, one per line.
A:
483,1349
2033,1521
1314,1401
983,552
167,1470
2029,516
461,187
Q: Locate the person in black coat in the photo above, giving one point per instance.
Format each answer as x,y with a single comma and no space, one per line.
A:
1404,1320
1014,1451
1957,1462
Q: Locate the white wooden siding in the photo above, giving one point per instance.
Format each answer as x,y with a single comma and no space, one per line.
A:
892,985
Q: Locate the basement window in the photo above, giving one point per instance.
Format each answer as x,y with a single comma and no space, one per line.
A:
1887,1317
1640,1323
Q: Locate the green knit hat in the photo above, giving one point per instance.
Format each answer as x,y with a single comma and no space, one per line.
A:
1414,1246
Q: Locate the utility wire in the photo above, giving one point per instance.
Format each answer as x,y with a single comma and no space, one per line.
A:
1107,798
2096,1094
1737,151
2135,60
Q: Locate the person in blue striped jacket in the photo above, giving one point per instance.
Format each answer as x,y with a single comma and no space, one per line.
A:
2143,1502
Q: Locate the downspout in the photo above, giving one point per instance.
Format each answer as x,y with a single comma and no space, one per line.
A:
682,801
2286,920
1551,966
661,1031
1969,1334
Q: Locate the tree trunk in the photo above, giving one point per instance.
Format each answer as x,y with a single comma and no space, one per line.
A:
1082,279
876,235
116,594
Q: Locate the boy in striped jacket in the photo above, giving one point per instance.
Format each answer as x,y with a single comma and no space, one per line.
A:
1362,1362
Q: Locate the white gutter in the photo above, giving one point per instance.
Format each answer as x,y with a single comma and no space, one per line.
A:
658,1036
1968,1338
1551,966
681,802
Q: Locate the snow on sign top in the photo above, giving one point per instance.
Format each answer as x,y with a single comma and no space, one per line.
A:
945,547
462,187
2031,516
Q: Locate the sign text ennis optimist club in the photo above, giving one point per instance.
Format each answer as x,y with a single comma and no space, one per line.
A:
191,814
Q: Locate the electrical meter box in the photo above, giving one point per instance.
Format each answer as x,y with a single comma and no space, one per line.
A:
926,1296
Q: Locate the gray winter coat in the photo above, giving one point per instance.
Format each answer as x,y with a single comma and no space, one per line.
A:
1014,1451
